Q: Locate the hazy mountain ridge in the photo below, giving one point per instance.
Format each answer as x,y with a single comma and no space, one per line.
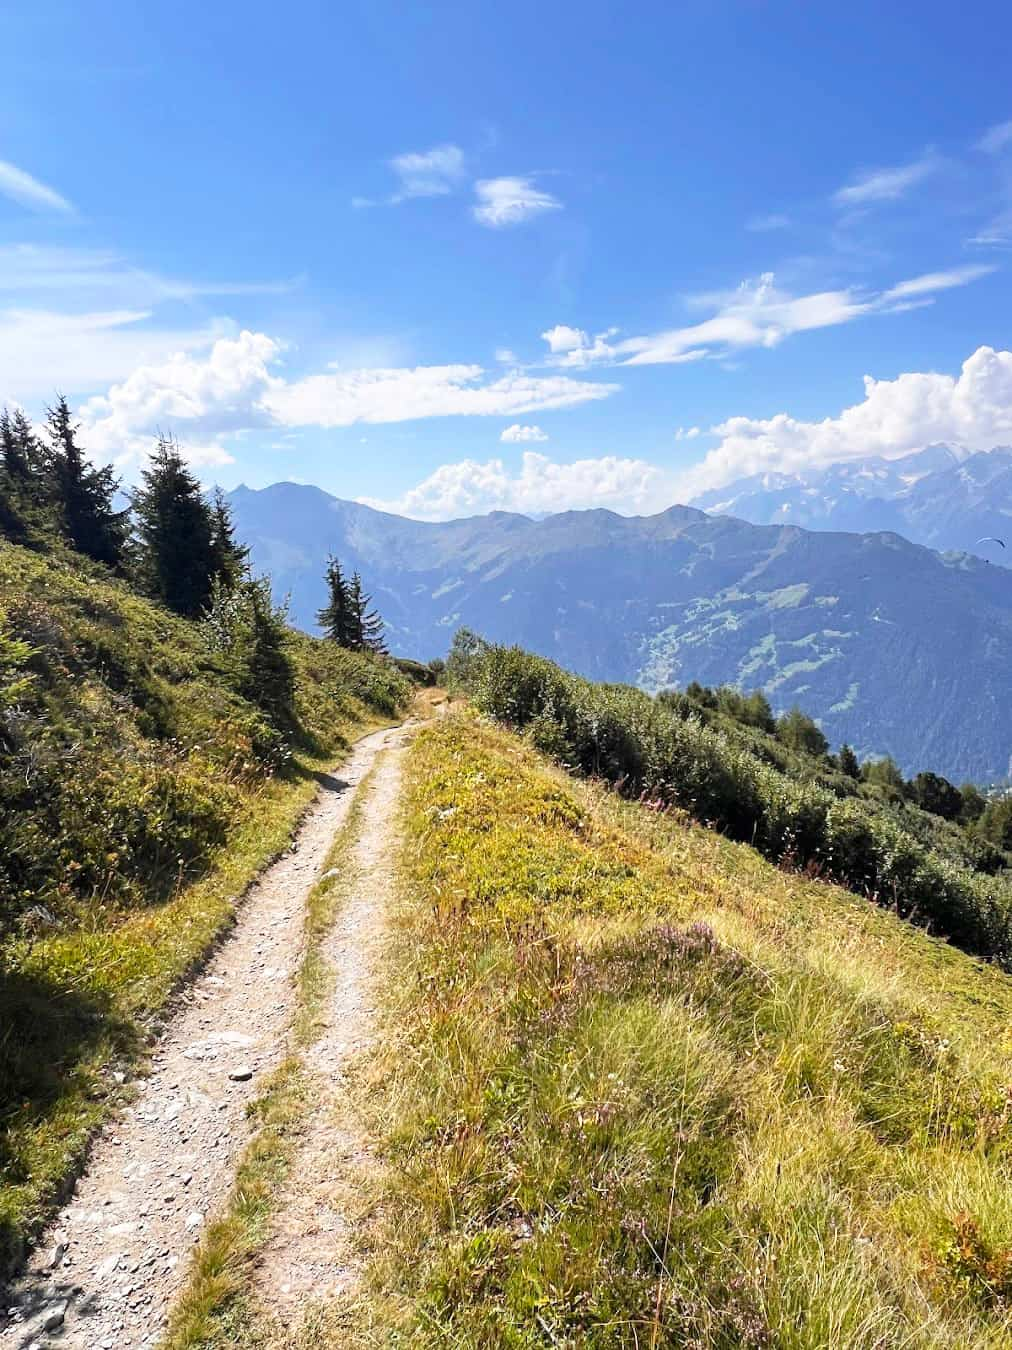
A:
941,496
892,646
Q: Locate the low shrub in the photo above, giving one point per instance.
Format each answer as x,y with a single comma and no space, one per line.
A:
130,738
661,749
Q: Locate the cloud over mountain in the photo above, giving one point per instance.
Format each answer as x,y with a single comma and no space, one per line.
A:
972,409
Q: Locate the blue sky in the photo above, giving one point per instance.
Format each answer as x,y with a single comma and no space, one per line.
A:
463,256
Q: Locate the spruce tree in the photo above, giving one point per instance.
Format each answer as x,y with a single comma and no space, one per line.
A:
83,494
848,762
366,628
26,509
335,618
13,524
177,561
231,559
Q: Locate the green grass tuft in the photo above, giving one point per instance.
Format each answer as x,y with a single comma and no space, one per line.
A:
641,1088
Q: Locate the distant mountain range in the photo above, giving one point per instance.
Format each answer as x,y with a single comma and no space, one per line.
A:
940,496
893,647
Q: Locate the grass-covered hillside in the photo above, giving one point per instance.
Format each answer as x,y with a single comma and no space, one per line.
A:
642,1088
932,853
149,766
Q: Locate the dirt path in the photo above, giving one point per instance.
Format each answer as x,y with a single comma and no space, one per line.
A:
310,1256
117,1253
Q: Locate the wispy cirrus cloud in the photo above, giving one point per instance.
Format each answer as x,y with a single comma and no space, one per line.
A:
431,173
502,202
42,348
83,275
997,233
996,138
931,282
422,173
22,188
757,314
766,224
84,319
886,184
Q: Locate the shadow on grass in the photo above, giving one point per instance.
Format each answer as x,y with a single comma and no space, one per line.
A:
48,1033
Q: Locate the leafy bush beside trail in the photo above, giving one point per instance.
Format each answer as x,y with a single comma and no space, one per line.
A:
646,748
131,738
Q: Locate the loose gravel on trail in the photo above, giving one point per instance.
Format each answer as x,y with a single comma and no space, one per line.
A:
311,1256
118,1252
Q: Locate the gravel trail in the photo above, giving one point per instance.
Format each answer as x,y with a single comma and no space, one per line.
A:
117,1253
311,1255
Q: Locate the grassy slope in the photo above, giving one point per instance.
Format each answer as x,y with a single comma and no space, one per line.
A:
642,1088
123,707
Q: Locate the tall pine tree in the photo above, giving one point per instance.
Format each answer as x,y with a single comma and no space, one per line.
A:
347,618
14,478
231,559
335,617
82,494
366,625
177,558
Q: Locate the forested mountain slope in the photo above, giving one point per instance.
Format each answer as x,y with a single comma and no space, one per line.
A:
892,647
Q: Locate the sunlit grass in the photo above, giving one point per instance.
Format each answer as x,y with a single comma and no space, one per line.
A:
641,1088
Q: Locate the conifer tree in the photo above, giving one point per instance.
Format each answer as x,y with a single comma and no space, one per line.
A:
848,762
231,559
249,634
83,494
13,524
335,618
177,560
366,629
26,509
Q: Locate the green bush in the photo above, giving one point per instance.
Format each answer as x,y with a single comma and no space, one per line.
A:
131,738
662,750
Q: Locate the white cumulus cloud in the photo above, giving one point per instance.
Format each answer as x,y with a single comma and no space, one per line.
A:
22,188
201,398
517,434
510,201
972,409
540,485
236,386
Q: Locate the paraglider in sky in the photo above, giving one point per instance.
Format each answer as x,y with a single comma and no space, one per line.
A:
991,539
